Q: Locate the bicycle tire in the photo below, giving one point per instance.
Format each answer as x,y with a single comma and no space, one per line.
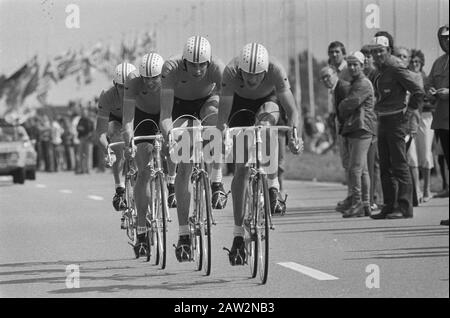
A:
153,230
205,225
263,229
198,233
162,222
129,195
252,242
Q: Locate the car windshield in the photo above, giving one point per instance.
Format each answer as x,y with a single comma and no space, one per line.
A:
10,133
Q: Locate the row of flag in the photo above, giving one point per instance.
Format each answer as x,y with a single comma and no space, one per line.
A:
34,77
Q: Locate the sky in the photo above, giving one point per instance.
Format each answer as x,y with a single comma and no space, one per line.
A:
29,27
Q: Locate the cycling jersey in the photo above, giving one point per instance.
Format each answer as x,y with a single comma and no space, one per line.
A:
110,105
275,79
176,77
146,100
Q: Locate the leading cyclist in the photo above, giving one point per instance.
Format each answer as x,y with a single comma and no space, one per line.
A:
109,124
141,102
191,86
260,84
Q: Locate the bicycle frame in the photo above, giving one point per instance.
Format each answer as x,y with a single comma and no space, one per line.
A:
256,222
199,223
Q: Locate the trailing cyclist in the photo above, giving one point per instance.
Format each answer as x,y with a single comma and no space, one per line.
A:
190,86
142,104
109,124
255,82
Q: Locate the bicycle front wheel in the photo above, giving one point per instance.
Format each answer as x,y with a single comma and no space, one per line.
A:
161,218
262,227
205,198
251,241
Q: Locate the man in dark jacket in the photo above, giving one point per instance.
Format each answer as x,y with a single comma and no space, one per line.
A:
438,89
392,81
338,89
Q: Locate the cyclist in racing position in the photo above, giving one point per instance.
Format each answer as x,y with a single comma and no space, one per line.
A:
109,124
260,84
141,102
191,86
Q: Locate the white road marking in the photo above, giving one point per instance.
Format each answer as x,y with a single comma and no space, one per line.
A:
40,185
314,273
95,197
65,191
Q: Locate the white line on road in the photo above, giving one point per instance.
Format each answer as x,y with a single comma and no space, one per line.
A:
314,273
65,191
40,185
95,197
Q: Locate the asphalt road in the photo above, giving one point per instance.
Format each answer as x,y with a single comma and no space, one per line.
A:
64,219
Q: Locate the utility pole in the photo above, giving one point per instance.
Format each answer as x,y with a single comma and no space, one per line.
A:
312,106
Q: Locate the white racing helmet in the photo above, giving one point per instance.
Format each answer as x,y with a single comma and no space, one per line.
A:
254,59
197,50
122,71
151,65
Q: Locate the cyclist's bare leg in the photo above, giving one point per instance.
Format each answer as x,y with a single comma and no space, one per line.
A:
269,115
115,136
238,188
141,189
208,113
183,194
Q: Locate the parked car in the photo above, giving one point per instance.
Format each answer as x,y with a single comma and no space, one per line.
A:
17,154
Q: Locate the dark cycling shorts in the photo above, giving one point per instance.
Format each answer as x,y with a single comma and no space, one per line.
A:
188,107
147,127
246,118
115,118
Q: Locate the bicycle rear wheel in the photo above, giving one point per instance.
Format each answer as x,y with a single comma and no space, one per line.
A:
262,227
161,219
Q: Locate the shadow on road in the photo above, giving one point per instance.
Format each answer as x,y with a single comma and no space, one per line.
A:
401,253
147,287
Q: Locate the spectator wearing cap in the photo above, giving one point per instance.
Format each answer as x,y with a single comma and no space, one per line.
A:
437,89
424,138
392,81
357,109
338,89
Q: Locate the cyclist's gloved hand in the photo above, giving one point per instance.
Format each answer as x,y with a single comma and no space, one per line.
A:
295,144
110,159
130,152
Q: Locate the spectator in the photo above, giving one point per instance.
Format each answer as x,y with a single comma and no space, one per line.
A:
444,193
338,90
45,136
85,129
76,140
336,58
424,138
392,81
67,143
404,56
437,89
357,111
58,157
373,159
